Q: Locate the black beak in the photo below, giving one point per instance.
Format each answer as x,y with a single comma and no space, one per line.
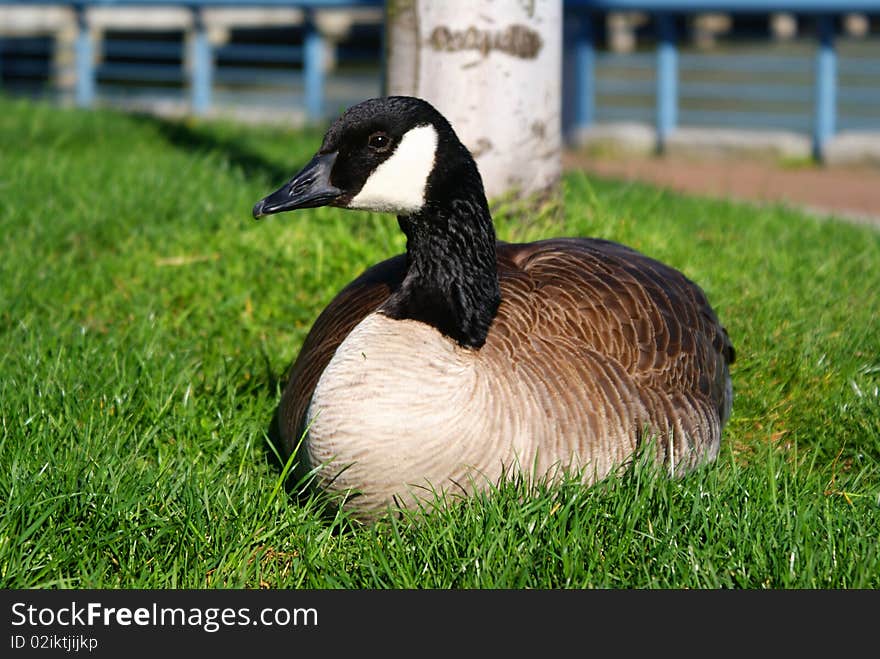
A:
308,189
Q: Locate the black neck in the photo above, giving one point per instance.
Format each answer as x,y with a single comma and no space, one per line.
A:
452,279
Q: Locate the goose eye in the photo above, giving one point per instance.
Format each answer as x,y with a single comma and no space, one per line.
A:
379,141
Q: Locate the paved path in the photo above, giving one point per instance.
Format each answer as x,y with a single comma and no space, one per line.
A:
851,193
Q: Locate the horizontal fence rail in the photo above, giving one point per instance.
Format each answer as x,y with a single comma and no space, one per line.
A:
815,89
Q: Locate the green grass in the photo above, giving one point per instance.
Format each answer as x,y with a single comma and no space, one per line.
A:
146,322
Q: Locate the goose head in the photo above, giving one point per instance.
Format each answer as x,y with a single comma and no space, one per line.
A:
394,155
400,155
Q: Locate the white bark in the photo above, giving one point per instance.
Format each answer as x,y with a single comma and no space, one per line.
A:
494,69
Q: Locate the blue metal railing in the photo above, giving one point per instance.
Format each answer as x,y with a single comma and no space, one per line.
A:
581,48
200,78
667,88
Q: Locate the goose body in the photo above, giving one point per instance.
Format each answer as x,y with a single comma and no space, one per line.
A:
466,359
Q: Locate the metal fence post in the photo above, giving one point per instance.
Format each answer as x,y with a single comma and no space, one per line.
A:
85,60
384,45
667,78
313,69
584,72
825,102
202,66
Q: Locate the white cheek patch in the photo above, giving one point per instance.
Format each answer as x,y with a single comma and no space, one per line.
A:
398,184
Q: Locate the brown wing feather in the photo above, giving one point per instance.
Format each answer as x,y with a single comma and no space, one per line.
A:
602,300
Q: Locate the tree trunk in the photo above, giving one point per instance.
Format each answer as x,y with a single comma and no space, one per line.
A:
494,69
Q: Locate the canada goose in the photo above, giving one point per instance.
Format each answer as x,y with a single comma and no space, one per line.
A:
449,366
